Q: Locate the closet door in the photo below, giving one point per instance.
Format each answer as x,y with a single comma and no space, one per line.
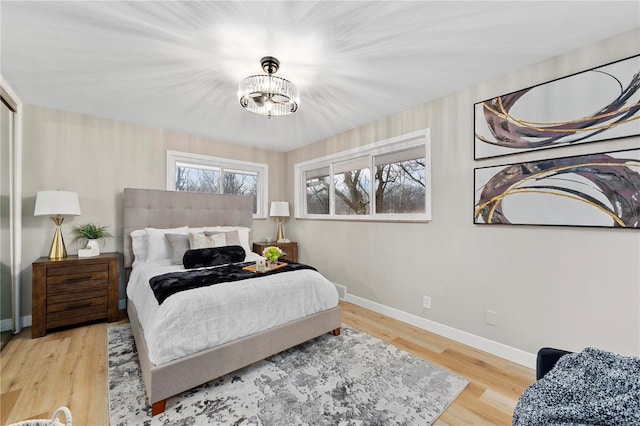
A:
6,171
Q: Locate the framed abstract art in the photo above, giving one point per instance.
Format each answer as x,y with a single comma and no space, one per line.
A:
595,105
599,190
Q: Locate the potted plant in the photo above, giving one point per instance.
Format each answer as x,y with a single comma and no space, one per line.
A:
272,254
93,234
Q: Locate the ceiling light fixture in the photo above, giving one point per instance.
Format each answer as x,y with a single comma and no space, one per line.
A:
267,94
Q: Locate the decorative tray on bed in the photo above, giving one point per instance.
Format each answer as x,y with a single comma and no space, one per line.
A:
252,268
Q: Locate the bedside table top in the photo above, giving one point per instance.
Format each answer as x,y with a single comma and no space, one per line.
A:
272,243
75,258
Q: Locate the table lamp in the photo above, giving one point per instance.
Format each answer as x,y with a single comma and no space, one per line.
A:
279,209
56,204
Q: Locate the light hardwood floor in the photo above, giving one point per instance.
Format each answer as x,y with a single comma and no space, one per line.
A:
70,368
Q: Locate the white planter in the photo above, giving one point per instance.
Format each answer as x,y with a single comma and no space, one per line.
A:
92,249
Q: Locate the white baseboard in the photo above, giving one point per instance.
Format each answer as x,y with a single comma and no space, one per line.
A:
503,351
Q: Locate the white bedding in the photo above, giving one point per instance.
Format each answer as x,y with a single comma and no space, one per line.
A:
198,319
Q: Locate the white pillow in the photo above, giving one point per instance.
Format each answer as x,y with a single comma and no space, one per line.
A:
243,233
139,246
157,245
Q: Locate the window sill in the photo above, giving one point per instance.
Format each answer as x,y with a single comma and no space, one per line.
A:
390,219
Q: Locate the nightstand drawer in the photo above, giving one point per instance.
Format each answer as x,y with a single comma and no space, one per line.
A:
70,306
83,313
78,283
66,271
61,298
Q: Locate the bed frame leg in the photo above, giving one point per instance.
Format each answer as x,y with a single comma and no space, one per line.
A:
336,332
158,407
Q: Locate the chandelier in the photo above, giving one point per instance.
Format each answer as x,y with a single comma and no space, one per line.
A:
267,94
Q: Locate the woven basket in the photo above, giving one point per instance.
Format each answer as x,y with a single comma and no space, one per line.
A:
49,422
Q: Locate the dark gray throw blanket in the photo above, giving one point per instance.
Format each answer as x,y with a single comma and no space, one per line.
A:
592,387
171,283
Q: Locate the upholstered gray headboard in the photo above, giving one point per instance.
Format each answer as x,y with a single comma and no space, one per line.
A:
152,208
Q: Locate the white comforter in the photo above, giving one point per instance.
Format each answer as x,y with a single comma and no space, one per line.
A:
194,320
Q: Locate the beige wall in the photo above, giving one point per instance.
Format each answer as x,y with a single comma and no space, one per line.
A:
98,158
551,286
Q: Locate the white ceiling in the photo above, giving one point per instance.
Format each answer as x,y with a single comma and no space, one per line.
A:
176,65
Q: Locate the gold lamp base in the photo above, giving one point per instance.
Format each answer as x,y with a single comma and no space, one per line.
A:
58,250
280,234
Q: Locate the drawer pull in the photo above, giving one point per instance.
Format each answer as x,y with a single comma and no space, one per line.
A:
80,305
74,280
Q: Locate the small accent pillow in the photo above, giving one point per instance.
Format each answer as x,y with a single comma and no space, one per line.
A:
212,256
179,244
243,233
199,241
231,238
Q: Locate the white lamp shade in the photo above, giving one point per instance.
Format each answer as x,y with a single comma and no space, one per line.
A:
279,209
51,203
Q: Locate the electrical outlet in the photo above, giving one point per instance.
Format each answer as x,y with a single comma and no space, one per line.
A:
491,317
426,302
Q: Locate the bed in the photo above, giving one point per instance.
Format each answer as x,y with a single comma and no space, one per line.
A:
166,375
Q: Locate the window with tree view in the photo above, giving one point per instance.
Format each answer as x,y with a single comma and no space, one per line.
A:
384,181
352,179
400,181
197,173
317,192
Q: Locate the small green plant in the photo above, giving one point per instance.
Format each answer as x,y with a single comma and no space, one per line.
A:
91,231
272,253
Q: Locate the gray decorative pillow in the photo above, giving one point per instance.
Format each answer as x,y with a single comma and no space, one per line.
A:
179,244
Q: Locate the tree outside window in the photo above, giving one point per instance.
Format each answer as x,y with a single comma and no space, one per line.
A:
400,181
352,186
317,191
241,183
197,179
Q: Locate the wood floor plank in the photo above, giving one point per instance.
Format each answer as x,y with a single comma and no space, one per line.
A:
69,368
7,402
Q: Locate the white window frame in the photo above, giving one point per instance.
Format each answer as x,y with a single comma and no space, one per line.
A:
399,143
260,169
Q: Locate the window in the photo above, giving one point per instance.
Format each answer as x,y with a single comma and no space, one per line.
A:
388,180
400,181
201,173
317,192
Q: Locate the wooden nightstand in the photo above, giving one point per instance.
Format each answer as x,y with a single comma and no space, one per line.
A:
74,290
291,249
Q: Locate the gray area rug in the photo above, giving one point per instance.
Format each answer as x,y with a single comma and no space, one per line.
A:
352,379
